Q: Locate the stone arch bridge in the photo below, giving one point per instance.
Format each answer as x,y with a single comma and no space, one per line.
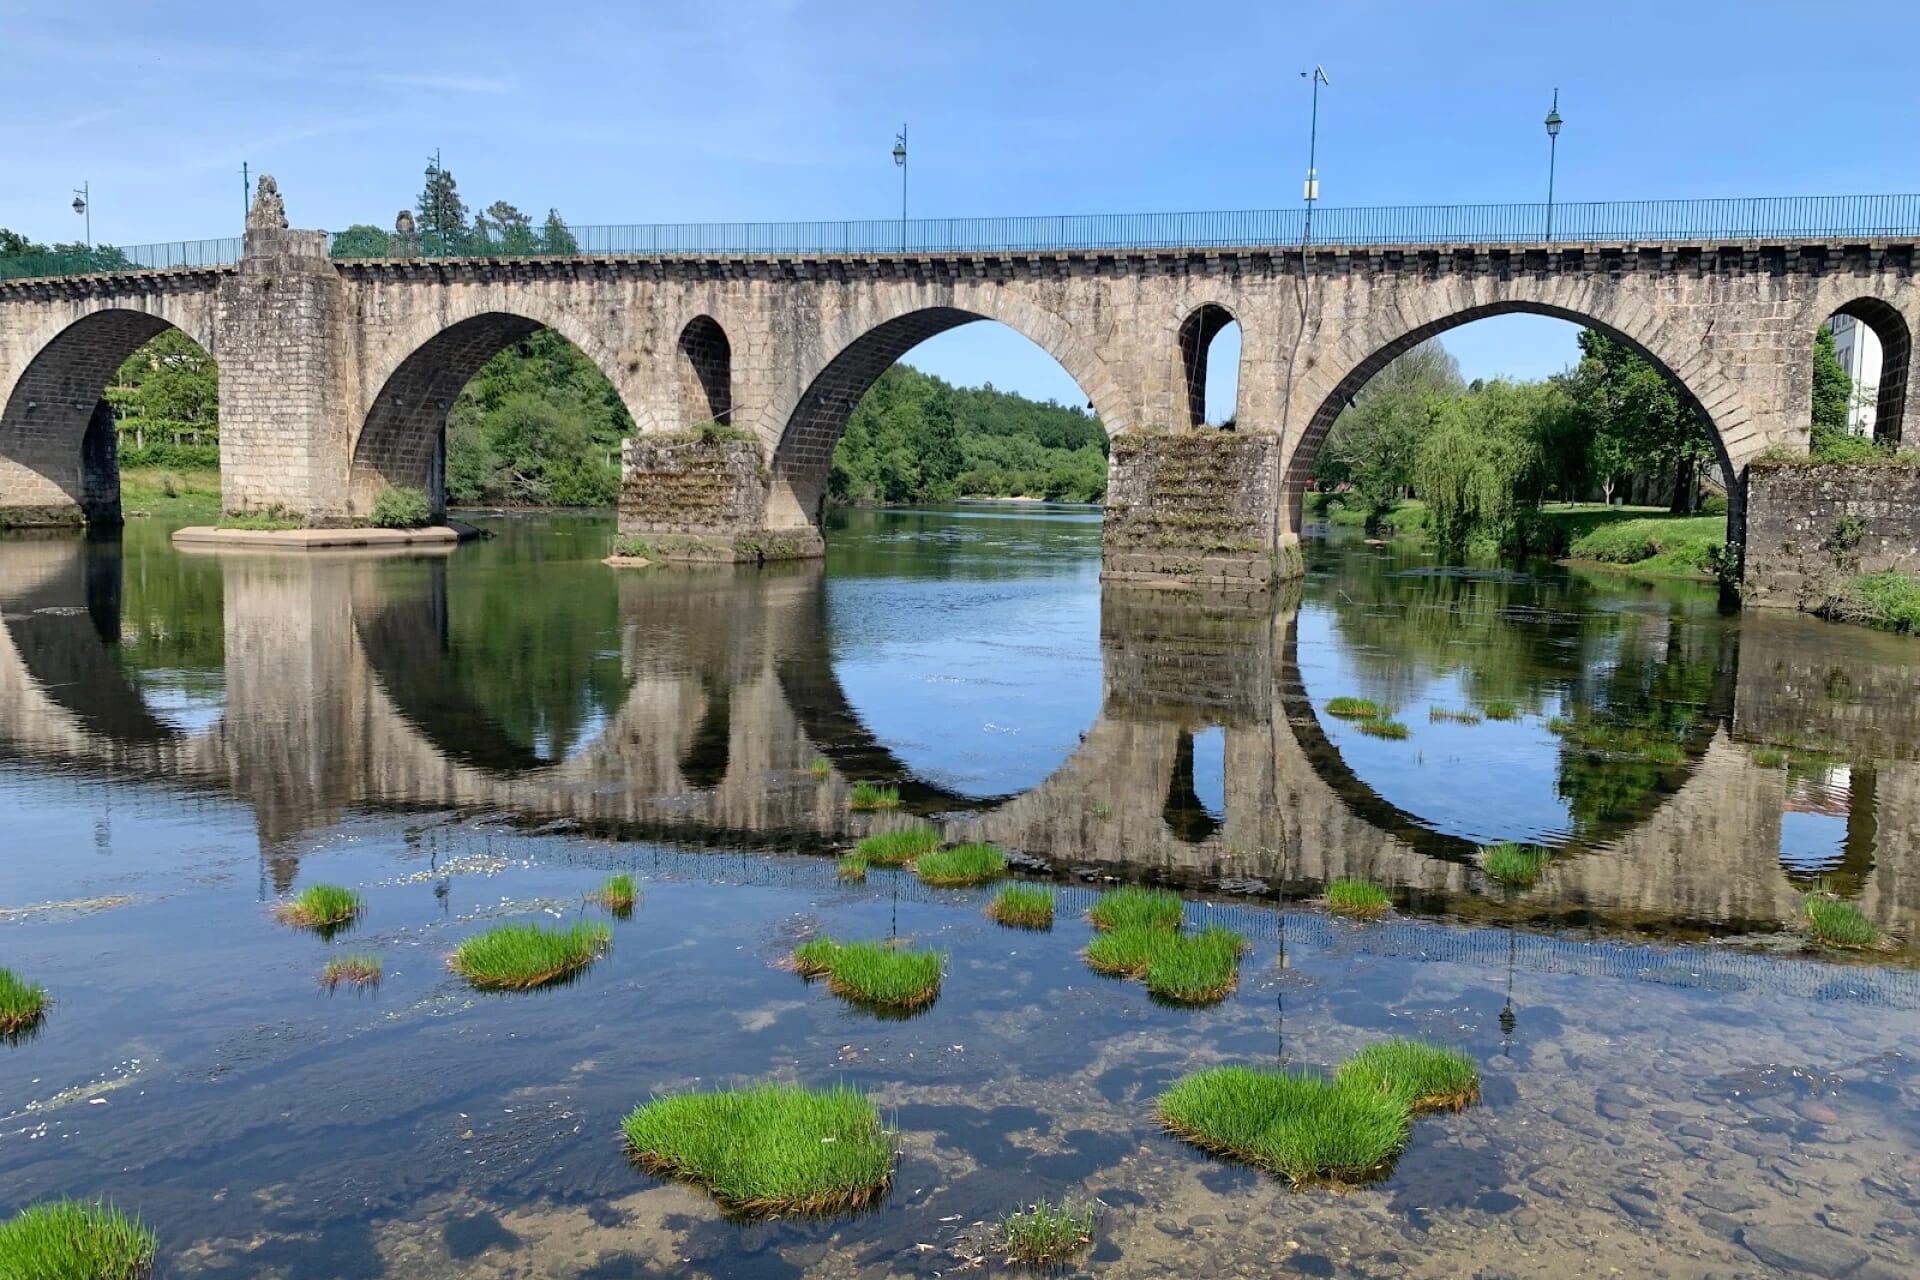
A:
336,376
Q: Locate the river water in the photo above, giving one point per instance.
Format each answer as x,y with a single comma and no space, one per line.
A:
1676,1082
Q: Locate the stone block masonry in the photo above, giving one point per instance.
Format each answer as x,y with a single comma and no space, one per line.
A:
702,496
1197,508
1811,528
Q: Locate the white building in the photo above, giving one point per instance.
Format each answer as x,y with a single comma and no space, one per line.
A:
1858,349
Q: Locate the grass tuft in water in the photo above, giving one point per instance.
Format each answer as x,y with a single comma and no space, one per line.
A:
1516,865
964,864
771,1148
520,957
1500,709
1023,906
1559,726
1457,717
869,797
1298,1125
897,848
872,972
75,1240
1185,968
1423,1076
1769,758
1362,899
618,895
1133,905
1355,708
820,767
354,970
1044,1235
853,867
1380,727
1838,923
22,1004
326,907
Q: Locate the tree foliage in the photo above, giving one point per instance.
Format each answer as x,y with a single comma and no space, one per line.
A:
1639,411
1373,442
915,438
1832,396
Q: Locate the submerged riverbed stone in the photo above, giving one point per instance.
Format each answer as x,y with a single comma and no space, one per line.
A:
1813,1251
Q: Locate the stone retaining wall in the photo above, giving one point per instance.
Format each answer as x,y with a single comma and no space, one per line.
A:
1197,508
1811,528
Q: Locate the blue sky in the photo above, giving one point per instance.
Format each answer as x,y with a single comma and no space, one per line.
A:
787,110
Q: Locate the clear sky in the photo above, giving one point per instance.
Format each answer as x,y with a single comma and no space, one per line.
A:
736,110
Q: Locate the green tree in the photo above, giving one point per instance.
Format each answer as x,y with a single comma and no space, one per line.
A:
14,242
442,214
1832,394
362,240
555,237
1374,441
1618,393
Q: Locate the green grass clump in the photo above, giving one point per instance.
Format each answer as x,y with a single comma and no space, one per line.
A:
1499,709
1687,545
1518,865
1424,1077
1132,905
75,1240
618,895
1043,1235
1023,906
772,1148
1769,758
1559,726
1663,753
1187,968
22,1004
820,767
964,864
1380,727
1836,923
872,972
258,522
1458,717
326,907
354,970
853,867
1360,898
897,848
1300,1126
1355,708
1891,599
869,797
519,957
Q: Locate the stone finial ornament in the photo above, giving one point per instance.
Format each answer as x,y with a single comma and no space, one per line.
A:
403,223
268,213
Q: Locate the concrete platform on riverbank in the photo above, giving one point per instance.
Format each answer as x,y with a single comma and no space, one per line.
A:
206,537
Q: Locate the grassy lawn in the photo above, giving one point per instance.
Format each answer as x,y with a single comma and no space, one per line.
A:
172,493
1680,546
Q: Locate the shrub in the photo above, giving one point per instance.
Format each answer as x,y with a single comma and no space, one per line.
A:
1023,906
772,1148
1044,1235
872,973
258,522
1836,923
1376,727
1517,865
400,507
354,970
1892,600
1355,708
899,847
1424,1077
1300,1126
75,1240
520,957
869,796
326,907
22,1004
1361,898
1132,905
965,864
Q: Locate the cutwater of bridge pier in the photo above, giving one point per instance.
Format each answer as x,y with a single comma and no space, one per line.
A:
740,367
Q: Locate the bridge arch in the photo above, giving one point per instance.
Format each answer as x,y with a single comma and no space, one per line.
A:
58,453
401,437
1197,332
1886,323
805,423
706,372
1346,363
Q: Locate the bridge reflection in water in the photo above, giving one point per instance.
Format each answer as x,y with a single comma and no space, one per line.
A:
340,693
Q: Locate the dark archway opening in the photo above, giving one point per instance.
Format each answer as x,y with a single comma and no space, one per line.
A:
1209,365
706,366
1861,360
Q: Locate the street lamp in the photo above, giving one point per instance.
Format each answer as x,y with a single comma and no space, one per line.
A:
1553,149
83,205
900,159
1316,77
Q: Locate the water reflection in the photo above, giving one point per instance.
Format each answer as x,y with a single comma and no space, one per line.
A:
1670,751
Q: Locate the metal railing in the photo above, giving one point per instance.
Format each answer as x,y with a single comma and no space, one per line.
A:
1627,221
107,259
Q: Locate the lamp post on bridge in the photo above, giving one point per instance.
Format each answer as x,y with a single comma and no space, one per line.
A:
1553,154
900,160
1316,77
83,205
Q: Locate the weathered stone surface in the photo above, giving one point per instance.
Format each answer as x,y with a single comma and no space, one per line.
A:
1814,1251
1197,506
1809,529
